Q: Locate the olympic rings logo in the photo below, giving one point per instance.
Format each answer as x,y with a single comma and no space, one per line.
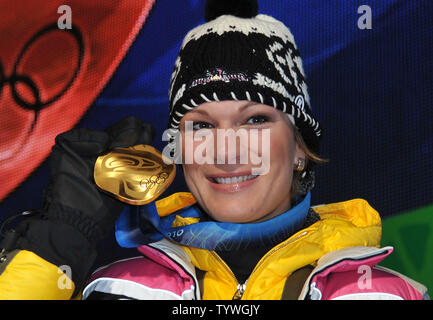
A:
154,180
16,78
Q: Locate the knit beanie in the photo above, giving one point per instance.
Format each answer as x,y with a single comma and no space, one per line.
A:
239,54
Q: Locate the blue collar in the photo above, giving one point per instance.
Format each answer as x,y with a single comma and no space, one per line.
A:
139,225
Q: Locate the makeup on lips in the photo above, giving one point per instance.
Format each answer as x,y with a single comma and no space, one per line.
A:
232,182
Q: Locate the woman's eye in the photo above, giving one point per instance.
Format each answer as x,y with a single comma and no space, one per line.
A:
257,120
201,125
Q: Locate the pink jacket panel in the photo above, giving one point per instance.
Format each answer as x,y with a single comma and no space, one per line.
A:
358,278
152,276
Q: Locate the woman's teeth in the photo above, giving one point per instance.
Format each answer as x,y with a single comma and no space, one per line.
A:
234,179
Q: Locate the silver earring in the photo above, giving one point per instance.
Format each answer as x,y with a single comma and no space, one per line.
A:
300,166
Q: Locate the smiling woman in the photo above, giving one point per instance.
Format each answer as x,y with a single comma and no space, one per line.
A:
229,190
241,119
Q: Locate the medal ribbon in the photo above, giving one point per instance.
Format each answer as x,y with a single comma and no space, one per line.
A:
139,225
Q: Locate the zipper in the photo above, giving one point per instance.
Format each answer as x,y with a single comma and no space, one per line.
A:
240,289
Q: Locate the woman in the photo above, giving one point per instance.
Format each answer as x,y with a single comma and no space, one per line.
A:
246,229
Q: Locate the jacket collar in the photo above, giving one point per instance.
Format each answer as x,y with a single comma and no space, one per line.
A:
344,224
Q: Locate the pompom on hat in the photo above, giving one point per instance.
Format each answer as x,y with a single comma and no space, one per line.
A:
239,54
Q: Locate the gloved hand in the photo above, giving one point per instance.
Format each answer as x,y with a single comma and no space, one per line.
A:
76,214
73,196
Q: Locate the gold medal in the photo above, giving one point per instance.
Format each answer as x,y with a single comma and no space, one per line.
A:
136,175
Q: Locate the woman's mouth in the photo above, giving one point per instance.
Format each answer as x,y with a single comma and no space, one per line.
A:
231,180
229,183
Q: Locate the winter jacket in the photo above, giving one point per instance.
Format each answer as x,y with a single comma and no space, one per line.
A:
337,257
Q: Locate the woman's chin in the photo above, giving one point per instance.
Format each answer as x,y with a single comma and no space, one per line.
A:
234,211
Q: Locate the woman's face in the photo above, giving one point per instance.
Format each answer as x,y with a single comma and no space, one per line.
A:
248,180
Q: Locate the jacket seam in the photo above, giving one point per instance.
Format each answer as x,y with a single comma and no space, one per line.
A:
6,258
182,267
95,282
366,294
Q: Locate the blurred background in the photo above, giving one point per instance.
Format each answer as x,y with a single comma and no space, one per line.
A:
371,87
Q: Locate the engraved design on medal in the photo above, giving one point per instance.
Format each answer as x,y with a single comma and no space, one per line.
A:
135,175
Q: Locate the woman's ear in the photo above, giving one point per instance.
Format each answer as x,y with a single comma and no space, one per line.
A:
299,155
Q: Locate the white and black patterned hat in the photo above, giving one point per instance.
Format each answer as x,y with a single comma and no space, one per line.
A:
241,55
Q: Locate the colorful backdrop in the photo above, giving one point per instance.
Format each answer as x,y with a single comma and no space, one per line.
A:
371,88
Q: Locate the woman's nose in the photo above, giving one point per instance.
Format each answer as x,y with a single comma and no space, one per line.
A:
231,146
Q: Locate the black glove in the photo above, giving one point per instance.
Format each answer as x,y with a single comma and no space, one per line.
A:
76,214
73,196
